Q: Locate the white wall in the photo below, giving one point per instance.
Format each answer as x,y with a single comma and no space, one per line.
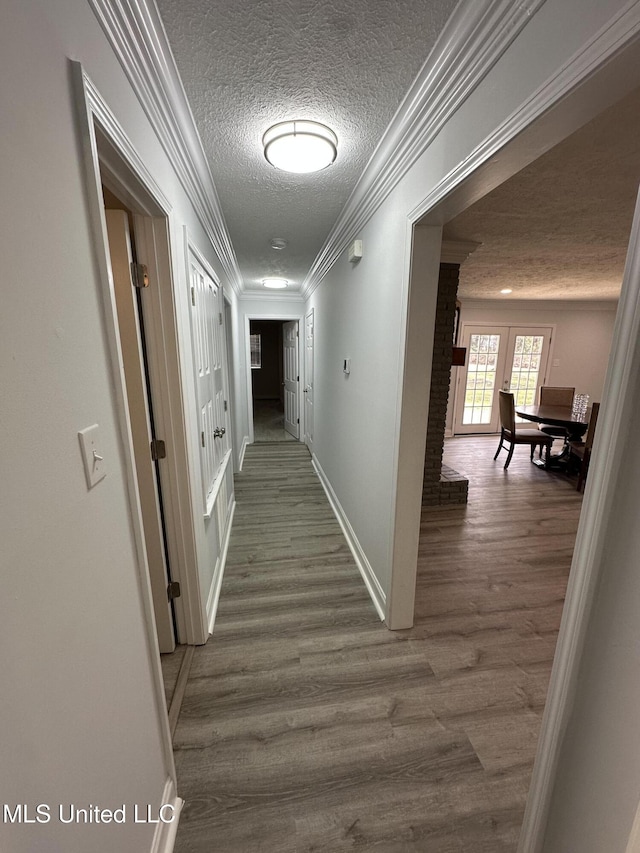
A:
79,718
358,315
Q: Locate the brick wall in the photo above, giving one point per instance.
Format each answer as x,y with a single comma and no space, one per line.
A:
442,485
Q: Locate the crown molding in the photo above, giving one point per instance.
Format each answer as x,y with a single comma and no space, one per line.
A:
278,296
473,40
620,31
506,303
457,251
137,36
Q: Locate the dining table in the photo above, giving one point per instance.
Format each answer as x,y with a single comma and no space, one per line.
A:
560,416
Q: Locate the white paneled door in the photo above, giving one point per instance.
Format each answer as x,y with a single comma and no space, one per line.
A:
511,358
291,378
308,380
207,324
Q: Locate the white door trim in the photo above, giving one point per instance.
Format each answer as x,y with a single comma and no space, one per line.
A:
247,349
421,270
154,249
133,329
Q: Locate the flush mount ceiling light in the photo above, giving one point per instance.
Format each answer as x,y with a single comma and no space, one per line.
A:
300,146
275,283
506,290
278,243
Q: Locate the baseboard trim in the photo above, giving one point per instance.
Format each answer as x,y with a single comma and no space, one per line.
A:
164,838
180,689
243,450
214,593
371,582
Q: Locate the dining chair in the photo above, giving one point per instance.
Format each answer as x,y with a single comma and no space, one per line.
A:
551,395
509,434
582,449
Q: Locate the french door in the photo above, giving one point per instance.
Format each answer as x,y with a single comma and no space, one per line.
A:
511,358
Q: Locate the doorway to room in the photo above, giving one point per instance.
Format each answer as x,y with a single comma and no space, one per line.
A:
133,336
275,380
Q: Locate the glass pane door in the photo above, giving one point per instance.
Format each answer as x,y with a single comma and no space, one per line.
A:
477,403
481,378
513,358
525,367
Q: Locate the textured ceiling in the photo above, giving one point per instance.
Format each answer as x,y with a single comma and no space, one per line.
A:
246,66
559,229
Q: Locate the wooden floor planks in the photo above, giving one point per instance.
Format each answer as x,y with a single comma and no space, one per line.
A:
308,726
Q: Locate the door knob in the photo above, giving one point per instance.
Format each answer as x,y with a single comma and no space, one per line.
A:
219,432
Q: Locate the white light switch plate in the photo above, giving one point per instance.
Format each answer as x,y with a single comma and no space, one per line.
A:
92,455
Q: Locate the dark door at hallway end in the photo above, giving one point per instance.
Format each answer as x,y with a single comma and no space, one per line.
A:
275,380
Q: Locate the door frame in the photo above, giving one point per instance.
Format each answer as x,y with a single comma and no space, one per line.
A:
110,157
136,353
606,70
249,316
122,171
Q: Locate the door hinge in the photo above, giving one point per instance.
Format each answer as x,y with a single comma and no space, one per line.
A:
226,405
158,449
173,590
220,317
202,438
139,275
297,379
298,420
193,296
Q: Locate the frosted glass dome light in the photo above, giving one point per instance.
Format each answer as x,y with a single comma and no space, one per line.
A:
275,283
300,146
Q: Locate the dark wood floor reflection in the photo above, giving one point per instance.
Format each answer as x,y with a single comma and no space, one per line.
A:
308,726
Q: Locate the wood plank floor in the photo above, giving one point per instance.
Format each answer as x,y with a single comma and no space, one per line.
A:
268,421
308,726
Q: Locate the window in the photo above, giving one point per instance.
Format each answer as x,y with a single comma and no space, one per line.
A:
256,351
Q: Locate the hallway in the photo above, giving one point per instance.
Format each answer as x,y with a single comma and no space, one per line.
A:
307,725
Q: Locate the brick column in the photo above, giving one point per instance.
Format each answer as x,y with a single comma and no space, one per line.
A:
442,486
